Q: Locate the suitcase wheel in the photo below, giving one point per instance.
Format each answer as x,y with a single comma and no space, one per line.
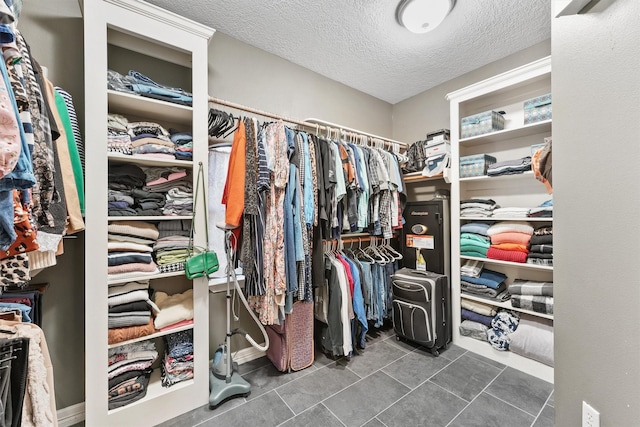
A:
435,352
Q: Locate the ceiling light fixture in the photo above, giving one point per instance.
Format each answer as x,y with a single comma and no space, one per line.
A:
422,16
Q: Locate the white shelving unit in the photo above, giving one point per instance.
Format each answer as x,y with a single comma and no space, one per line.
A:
505,92
177,48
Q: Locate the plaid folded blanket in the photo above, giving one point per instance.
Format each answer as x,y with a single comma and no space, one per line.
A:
530,287
537,303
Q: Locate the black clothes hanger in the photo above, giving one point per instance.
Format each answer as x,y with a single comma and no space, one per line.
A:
220,122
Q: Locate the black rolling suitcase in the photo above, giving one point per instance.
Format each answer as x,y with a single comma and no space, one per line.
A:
421,308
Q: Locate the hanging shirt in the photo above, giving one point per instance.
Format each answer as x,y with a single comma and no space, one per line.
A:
233,195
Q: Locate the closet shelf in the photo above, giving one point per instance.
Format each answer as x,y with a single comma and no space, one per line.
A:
142,161
515,264
505,304
418,177
154,390
484,218
153,277
506,134
140,107
528,175
508,358
153,336
149,218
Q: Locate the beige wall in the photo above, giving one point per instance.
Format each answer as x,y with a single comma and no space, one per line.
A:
596,106
56,42
429,110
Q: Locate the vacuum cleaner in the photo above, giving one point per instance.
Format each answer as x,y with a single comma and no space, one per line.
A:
225,382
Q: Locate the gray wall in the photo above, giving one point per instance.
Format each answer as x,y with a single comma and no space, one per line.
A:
596,103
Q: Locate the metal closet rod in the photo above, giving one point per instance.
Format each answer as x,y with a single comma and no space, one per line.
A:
311,123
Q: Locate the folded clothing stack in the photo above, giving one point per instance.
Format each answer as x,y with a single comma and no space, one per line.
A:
134,262
144,86
509,241
129,372
150,140
118,139
171,252
510,167
175,184
489,284
123,178
511,212
532,295
477,207
130,304
476,319
174,310
545,210
474,240
183,144
541,246
177,364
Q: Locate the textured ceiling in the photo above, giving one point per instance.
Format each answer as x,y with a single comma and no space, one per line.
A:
360,44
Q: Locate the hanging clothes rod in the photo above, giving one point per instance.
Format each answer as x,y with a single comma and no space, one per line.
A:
318,125
348,129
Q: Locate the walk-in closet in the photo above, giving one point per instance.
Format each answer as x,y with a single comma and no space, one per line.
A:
323,214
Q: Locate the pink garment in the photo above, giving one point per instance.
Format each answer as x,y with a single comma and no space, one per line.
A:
132,267
172,177
511,237
177,325
10,144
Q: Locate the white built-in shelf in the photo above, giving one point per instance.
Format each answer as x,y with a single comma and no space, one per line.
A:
153,336
499,177
128,104
485,218
149,218
504,304
150,277
154,390
418,177
515,264
141,160
530,366
505,134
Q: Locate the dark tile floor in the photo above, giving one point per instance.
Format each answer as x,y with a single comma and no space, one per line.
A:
392,383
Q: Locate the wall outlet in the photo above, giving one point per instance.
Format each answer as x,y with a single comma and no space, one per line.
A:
590,417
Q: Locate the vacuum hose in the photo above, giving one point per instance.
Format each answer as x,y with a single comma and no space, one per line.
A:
255,319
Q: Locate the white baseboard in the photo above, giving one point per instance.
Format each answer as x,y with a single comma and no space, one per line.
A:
71,415
247,355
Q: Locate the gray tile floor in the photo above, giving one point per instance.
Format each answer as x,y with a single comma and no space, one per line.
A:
392,383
